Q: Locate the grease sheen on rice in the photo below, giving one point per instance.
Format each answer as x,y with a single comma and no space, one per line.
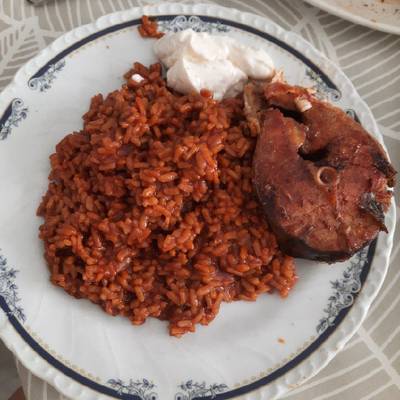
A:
150,210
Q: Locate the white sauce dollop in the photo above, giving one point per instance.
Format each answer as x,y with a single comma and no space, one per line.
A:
137,78
198,60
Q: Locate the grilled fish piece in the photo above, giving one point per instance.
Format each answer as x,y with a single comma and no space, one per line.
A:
322,179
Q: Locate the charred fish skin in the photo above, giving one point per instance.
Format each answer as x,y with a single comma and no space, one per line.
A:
321,178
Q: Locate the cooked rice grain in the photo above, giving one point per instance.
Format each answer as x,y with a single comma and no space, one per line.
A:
150,210
149,28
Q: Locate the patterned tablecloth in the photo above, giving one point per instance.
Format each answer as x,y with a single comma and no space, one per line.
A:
369,366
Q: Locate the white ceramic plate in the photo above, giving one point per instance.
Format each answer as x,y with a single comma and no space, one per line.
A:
85,353
376,14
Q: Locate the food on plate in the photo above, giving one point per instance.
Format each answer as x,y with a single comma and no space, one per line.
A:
149,28
150,209
199,60
323,181
156,208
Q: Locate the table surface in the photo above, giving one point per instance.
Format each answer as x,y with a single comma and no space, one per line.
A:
369,366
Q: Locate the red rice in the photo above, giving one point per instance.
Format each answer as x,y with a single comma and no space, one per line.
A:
150,210
149,28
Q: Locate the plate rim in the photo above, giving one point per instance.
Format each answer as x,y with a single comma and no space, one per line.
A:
314,362
356,19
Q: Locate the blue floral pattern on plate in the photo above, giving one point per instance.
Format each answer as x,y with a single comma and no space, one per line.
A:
43,82
182,22
18,112
344,290
143,389
9,289
323,91
190,390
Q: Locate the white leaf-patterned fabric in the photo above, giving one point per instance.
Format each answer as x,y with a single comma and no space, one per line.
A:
369,367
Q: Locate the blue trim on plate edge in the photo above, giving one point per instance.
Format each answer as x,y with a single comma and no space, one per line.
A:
192,389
